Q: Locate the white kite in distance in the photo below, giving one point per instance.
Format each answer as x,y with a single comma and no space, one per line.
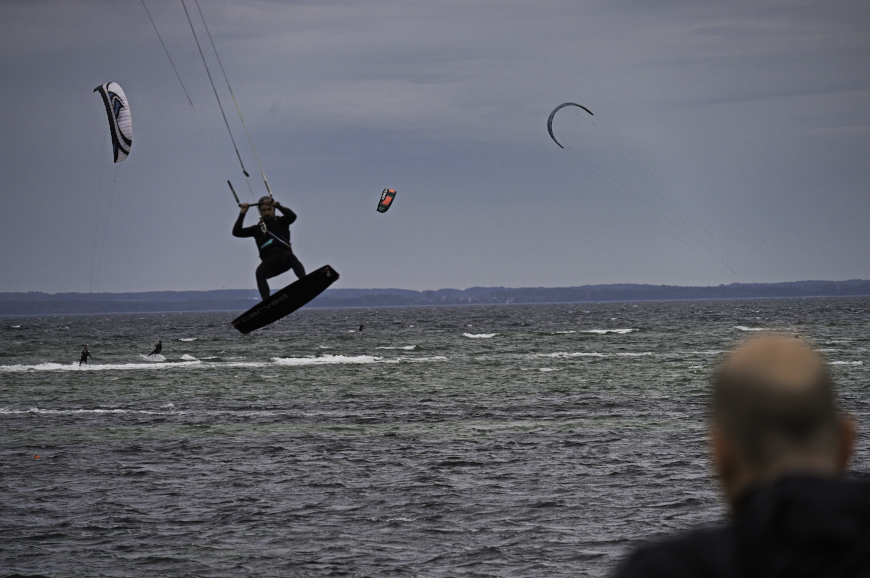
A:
120,121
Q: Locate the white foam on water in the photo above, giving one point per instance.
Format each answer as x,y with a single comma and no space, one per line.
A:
571,354
405,347
97,366
742,328
324,347
187,357
155,357
187,339
631,354
605,331
479,335
36,410
328,360
546,369
564,332
421,359
826,350
847,363
15,326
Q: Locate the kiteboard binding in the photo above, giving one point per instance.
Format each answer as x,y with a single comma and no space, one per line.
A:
286,301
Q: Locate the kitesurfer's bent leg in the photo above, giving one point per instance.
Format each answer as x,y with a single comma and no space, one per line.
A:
273,267
297,266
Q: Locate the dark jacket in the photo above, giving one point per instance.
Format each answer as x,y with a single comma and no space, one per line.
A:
796,527
278,226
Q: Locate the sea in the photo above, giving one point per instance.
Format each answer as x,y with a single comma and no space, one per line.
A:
497,440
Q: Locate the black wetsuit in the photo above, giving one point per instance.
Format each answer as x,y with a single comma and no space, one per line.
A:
276,254
84,358
157,349
796,527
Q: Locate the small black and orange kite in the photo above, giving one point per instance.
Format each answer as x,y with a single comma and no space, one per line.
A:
386,200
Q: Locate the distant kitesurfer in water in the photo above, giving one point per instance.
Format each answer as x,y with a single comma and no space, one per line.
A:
85,355
158,347
272,234
361,326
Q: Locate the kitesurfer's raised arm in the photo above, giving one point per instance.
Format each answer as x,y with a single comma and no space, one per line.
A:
238,230
267,211
289,215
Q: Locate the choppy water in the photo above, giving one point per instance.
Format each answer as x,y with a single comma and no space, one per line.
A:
459,441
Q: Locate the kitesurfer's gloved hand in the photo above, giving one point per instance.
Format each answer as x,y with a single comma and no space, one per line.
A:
244,207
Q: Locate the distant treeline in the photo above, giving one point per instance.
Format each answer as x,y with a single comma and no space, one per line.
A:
36,303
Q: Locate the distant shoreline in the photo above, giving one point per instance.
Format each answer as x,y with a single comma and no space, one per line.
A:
37,303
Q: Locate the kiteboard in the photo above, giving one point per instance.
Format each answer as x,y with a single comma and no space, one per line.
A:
286,301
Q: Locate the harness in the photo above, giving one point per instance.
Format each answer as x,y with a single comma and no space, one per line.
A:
274,237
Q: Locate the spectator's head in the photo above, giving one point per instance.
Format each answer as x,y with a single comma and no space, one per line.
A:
774,413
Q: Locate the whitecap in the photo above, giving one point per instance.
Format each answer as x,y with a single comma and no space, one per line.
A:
546,369
404,347
327,360
571,354
95,366
79,411
564,332
155,357
742,328
479,335
187,357
187,339
632,354
604,331
847,363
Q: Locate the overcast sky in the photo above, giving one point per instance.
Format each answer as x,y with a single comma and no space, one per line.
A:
730,142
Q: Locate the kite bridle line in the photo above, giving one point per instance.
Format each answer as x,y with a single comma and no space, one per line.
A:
214,89
186,94
238,110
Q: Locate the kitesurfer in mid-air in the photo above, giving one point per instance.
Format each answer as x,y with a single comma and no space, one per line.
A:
272,234
158,347
85,355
